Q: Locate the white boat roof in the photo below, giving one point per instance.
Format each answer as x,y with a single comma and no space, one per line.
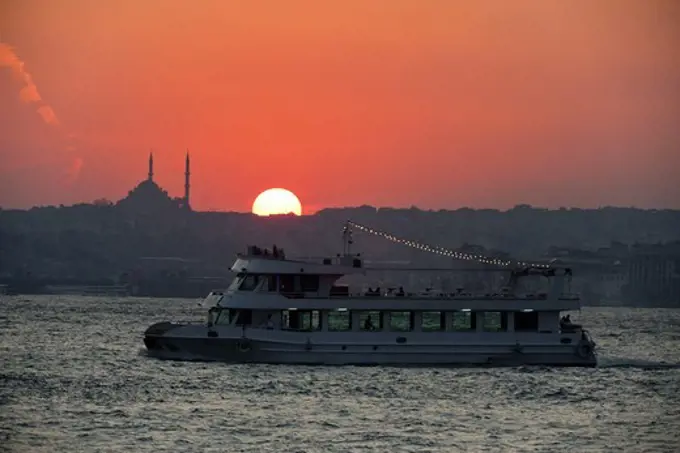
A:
265,301
268,265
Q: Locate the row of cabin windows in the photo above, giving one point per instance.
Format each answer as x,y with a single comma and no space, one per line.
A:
431,321
280,283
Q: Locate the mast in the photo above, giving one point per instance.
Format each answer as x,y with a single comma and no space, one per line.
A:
347,239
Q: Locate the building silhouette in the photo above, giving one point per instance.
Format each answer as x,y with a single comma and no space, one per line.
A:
654,275
149,197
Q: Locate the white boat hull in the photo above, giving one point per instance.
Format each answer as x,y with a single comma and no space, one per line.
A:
176,342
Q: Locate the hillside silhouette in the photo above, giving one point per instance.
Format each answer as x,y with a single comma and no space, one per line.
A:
102,240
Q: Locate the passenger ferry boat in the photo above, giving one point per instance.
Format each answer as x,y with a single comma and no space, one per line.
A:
285,311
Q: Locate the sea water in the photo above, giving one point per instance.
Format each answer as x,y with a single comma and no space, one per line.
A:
74,378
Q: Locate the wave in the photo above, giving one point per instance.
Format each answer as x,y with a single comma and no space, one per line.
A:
622,362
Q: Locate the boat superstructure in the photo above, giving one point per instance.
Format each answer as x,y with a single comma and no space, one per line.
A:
280,310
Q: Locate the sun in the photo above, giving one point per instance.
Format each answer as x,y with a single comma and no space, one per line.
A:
277,201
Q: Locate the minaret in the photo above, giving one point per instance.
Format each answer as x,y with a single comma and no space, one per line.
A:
151,166
187,175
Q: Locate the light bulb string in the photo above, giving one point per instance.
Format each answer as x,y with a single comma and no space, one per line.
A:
443,251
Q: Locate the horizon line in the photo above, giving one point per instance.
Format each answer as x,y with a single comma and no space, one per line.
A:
365,206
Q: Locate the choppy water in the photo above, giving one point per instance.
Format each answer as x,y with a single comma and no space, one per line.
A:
72,379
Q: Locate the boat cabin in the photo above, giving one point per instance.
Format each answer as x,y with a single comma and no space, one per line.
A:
272,292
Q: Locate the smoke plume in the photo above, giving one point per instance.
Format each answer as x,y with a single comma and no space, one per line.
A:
29,92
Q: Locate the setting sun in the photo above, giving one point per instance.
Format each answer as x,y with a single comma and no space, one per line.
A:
277,201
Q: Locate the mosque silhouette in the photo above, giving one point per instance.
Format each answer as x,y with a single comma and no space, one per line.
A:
149,196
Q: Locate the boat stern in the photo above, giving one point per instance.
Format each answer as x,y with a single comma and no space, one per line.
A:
585,349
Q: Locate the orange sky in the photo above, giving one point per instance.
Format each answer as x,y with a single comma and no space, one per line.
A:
440,104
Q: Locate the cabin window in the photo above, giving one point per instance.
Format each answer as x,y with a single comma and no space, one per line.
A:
212,315
495,321
286,283
301,319
309,283
223,317
401,321
463,321
526,322
433,321
339,321
310,320
245,318
233,286
271,283
290,319
233,314
370,320
249,283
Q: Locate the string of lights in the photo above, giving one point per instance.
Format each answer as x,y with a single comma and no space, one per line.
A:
443,251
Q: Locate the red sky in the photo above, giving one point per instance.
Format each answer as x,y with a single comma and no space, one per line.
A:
439,104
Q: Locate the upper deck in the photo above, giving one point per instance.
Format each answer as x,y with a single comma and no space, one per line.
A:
274,262
268,280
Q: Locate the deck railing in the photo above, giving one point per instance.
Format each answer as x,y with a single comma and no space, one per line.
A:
417,296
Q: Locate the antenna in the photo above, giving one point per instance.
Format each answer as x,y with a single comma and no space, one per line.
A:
347,239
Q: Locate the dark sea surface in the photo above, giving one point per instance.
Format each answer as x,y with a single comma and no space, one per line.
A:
73,377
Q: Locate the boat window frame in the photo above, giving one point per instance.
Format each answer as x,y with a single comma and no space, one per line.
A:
285,319
257,282
534,314
222,314
470,316
310,322
502,321
410,320
363,315
240,313
307,286
236,282
346,314
441,321
272,283
285,279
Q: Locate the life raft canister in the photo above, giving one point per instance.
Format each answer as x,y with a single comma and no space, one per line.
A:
584,349
243,346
